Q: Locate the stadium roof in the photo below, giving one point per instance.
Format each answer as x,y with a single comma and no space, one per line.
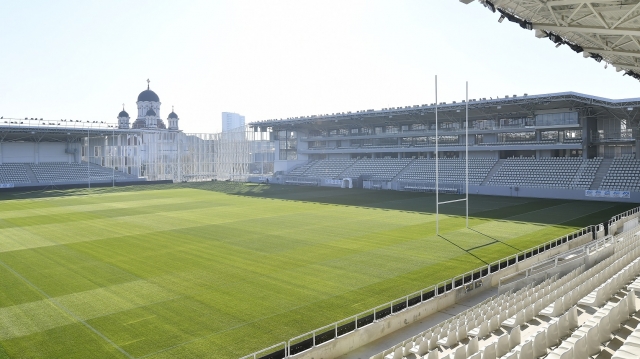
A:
605,30
514,106
34,130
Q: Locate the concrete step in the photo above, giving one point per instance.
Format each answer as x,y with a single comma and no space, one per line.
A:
601,173
494,169
30,174
403,170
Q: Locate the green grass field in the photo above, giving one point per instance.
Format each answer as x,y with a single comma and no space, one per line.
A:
221,269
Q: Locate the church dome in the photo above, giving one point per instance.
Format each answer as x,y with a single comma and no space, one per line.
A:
148,95
151,112
173,115
123,113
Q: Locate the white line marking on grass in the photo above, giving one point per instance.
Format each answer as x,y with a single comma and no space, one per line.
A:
63,308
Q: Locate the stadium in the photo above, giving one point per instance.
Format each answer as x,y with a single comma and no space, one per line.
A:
482,228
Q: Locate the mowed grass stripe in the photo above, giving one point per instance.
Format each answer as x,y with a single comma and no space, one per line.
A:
67,312
38,235
259,265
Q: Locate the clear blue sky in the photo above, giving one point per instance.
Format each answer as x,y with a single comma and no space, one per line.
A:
272,59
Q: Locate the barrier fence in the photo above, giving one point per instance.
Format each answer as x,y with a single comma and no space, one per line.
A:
337,329
622,215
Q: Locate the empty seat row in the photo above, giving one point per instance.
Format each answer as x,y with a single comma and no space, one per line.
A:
70,172
556,299
450,170
550,172
623,174
11,173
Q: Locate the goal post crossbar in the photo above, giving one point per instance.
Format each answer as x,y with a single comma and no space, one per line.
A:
455,200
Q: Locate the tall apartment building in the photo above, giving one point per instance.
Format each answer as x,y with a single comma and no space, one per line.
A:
231,121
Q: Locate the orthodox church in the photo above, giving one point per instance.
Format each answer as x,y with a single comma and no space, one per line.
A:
148,114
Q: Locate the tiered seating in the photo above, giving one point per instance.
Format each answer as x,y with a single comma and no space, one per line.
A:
13,173
631,347
299,171
328,168
548,172
586,173
474,326
451,170
623,174
384,169
71,172
552,327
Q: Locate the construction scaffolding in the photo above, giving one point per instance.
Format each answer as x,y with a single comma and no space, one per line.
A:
181,157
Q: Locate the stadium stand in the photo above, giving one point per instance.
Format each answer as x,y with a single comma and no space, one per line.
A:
550,172
300,170
13,173
384,169
451,170
328,168
72,172
586,173
623,174
578,315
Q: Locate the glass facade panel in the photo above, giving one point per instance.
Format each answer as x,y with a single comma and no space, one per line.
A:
557,119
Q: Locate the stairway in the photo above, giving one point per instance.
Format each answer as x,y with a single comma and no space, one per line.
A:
346,170
403,170
494,169
601,173
304,167
30,174
578,176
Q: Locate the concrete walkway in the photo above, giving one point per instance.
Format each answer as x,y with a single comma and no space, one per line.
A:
388,341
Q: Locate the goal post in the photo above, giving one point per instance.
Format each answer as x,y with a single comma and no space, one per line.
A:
466,160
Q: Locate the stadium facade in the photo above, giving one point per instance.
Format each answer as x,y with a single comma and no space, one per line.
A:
566,145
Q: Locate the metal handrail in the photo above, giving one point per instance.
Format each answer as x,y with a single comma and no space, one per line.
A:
519,257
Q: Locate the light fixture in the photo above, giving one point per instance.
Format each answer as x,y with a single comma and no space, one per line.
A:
501,18
490,6
499,107
576,48
629,108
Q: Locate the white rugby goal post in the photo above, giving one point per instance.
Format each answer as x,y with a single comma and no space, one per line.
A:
466,160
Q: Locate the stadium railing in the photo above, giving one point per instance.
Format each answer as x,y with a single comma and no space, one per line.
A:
342,327
624,214
273,354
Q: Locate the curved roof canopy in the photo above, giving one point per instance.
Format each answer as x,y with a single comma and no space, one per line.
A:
605,30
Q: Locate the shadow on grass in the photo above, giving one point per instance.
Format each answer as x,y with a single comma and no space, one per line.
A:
480,207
